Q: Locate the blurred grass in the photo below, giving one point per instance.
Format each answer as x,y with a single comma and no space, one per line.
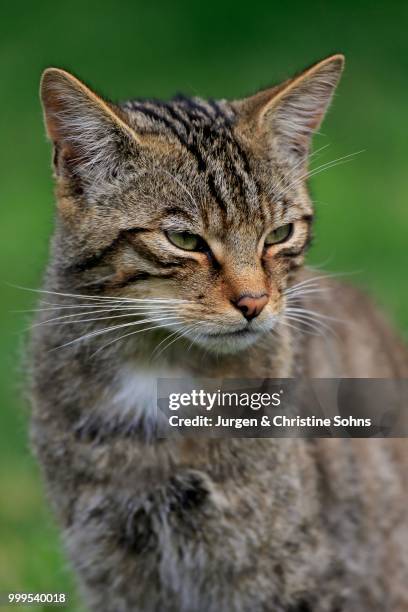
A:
221,49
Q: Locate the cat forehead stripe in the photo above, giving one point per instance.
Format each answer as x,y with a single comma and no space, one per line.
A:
204,129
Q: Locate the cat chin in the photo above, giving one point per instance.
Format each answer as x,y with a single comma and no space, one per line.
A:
234,343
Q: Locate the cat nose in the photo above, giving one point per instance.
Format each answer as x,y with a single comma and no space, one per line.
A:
251,305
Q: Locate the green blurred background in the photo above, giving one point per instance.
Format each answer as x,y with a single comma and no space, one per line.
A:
214,48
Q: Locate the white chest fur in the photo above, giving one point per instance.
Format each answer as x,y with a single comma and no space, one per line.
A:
133,399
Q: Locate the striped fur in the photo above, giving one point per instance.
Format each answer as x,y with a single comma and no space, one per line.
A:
211,526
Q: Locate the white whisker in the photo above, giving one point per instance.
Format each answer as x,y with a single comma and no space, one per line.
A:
57,320
161,342
99,332
101,297
103,307
145,329
284,321
315,324
72,317
335,162
297,166
313,313
179,335
296,295
312,281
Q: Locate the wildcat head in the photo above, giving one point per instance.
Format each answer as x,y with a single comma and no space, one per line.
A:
197,209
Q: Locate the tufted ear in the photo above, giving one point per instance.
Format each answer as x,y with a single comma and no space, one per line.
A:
290,113
90,135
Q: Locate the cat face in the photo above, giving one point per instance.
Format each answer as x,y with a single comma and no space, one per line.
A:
196,209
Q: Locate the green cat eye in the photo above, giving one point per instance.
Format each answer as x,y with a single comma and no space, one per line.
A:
185,240
280,234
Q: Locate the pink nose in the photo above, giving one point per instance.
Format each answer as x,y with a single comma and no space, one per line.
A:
251,305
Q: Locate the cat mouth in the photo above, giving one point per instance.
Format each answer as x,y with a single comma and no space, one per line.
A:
222,341
237,333
242,332
228,342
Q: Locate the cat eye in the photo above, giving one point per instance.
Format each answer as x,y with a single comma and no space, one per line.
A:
280,234
186,241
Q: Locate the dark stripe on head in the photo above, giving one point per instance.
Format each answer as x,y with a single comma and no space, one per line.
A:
243,156
152,114
180,116
176,115
173,128
216,193
201,163
195,108
189,143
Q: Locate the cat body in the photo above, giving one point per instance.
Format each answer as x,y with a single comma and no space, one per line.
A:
169,260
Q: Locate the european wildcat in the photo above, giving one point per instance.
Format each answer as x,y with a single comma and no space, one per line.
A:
194,216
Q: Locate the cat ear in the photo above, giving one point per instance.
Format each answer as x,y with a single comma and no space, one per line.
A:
289,114
90,135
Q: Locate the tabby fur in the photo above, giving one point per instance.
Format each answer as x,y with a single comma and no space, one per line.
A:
221,525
